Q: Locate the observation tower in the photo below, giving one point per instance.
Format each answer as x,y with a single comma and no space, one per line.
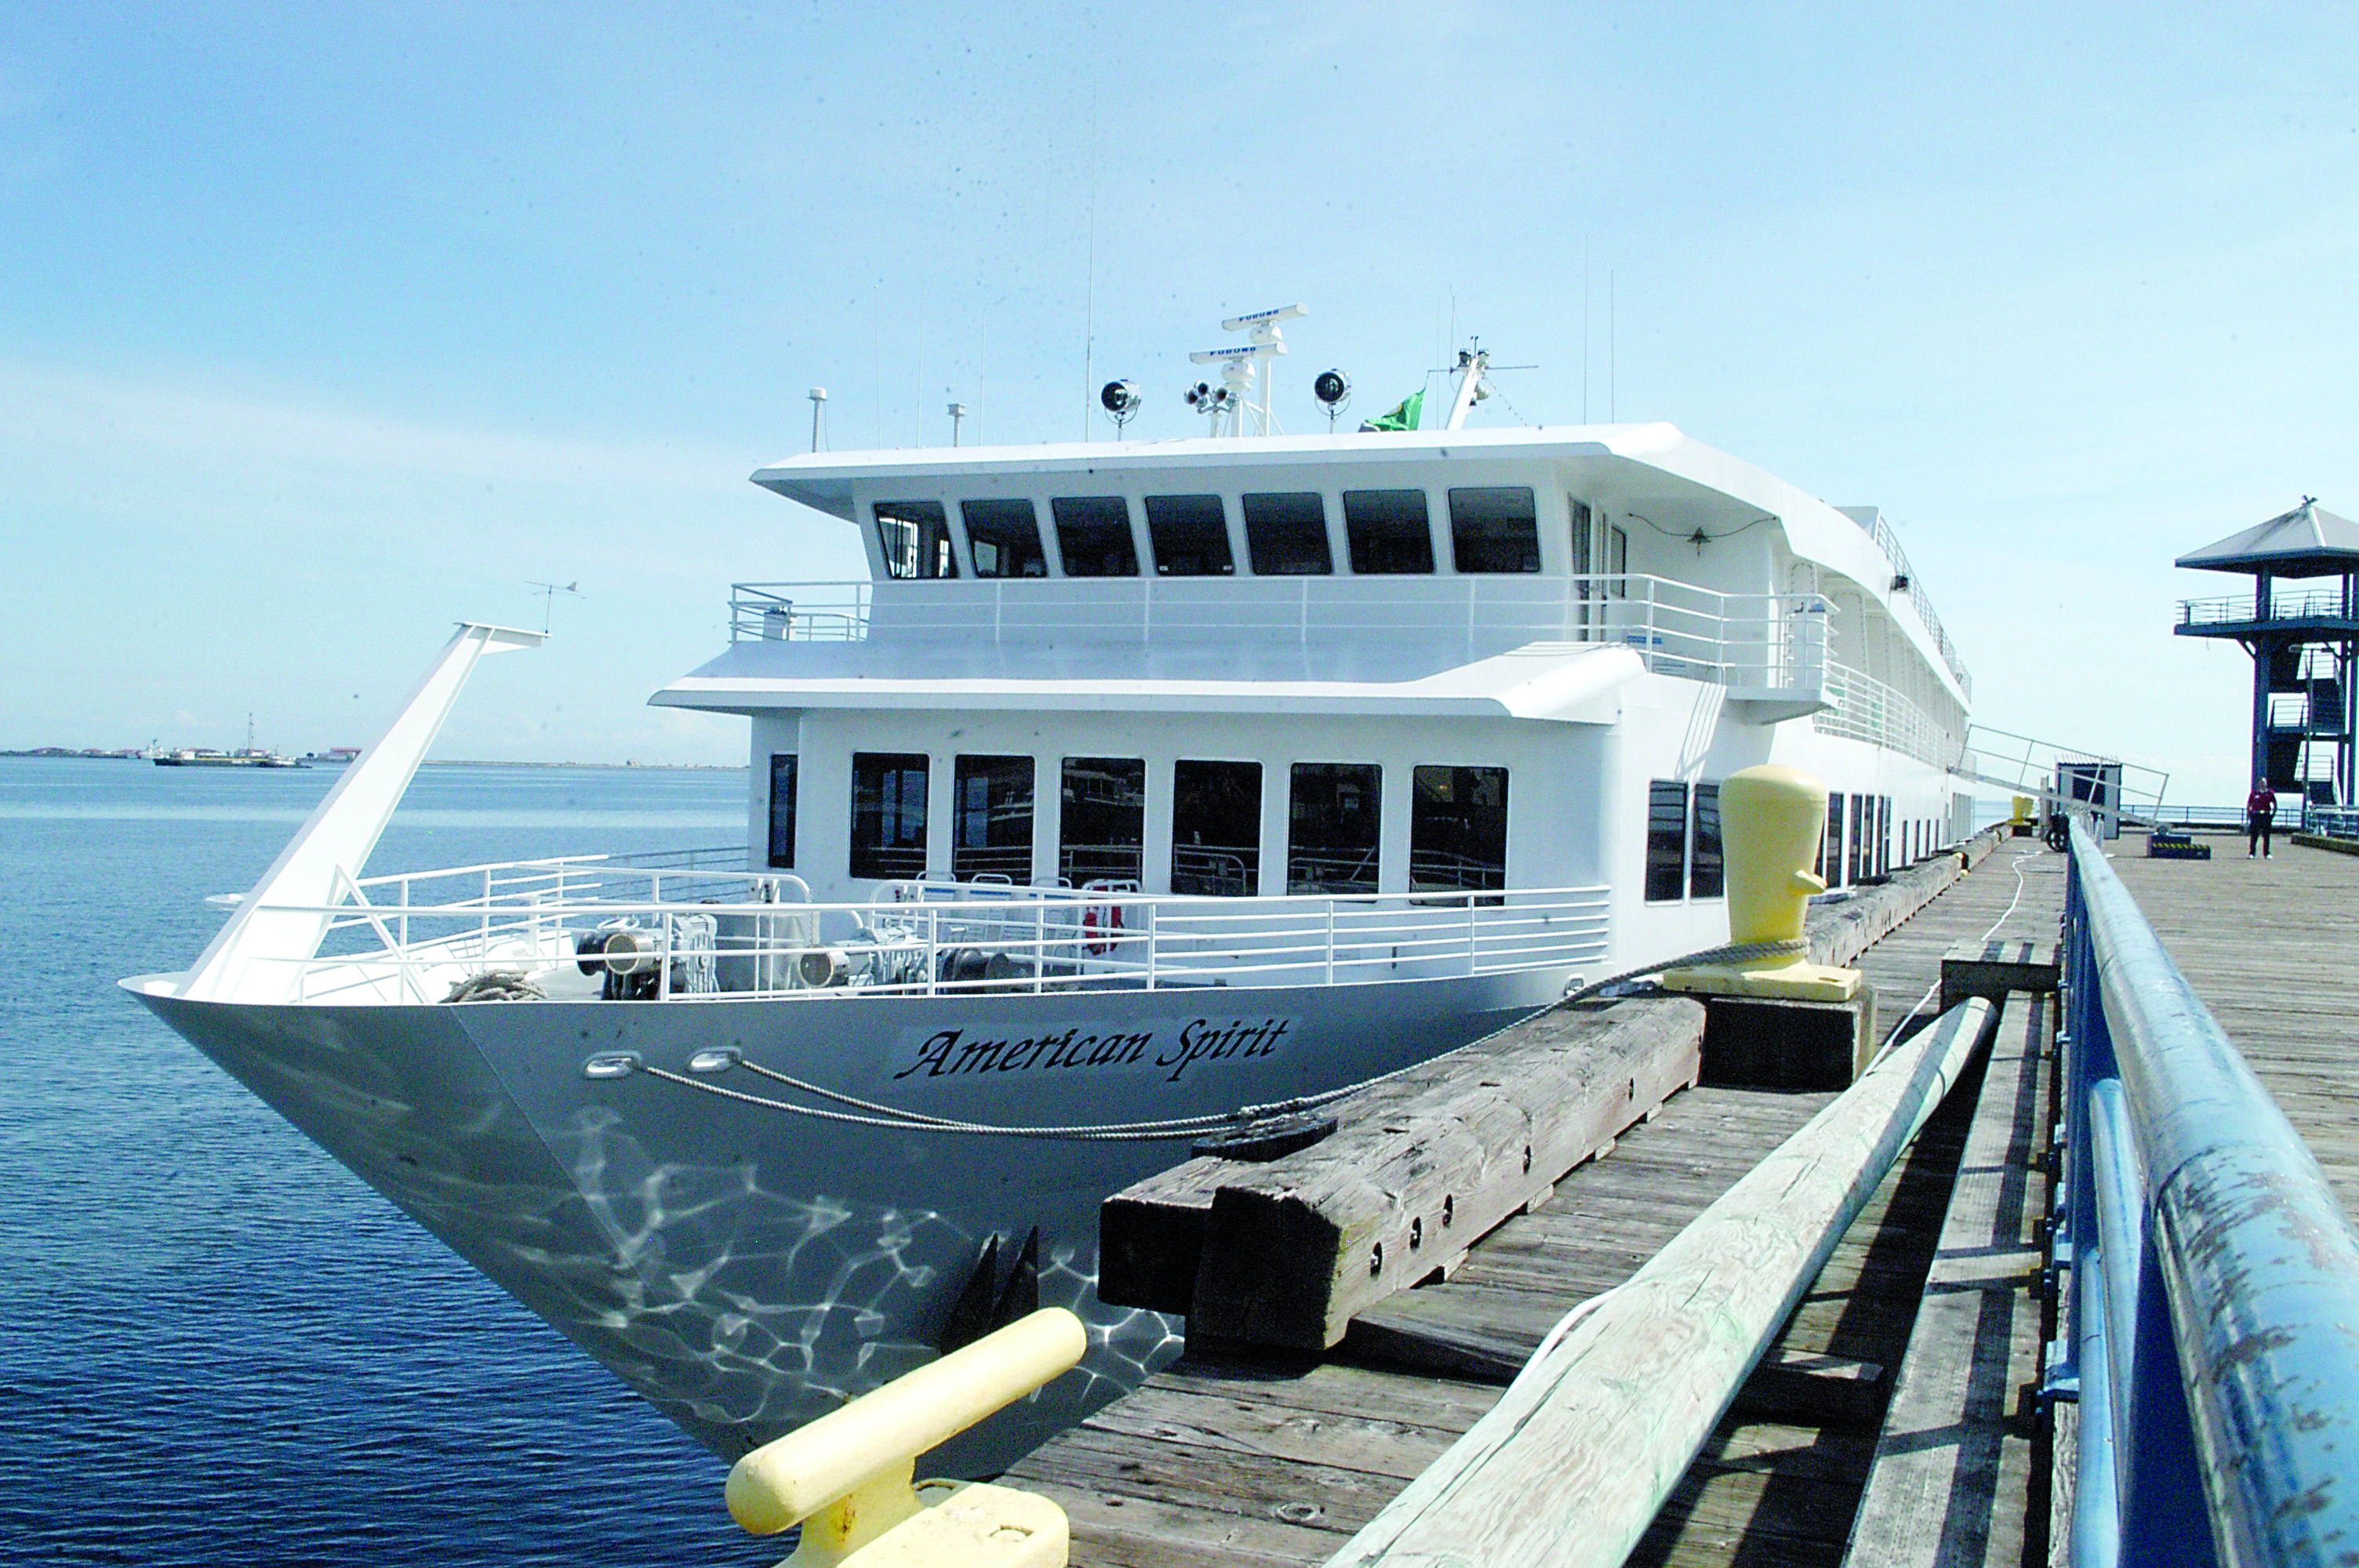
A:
2302,640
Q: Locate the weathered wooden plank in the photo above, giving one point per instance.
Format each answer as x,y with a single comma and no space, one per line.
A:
1994,968
1950,1480
1294,1249
1151,1237
1571,1465
2269,944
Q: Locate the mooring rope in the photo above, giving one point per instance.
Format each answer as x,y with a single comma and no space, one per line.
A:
895,1119
1902,1023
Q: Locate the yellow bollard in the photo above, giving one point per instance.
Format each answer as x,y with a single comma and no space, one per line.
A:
1771,817
2023,808
846,1477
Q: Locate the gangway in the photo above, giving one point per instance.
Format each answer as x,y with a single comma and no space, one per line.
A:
2113,792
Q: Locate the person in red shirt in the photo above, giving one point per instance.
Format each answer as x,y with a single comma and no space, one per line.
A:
2260,811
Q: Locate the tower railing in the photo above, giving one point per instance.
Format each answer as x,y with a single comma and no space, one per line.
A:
2213,1279
2307,604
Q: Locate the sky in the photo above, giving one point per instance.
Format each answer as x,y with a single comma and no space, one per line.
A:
321,328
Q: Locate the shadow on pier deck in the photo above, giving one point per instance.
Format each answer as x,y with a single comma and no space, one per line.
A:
1237,1456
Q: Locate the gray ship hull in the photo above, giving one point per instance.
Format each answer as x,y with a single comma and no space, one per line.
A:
747,1269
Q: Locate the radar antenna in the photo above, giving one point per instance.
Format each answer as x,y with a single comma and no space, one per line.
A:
1242,366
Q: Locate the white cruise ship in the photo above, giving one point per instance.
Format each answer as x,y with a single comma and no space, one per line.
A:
1138,782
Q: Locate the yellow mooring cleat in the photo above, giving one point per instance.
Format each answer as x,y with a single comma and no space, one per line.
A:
1770,818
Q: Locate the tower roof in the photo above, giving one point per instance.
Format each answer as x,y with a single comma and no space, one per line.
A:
2307,541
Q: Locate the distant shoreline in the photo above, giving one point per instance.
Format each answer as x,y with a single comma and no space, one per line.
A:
59,754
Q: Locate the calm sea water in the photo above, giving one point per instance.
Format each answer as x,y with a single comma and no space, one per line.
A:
218,1347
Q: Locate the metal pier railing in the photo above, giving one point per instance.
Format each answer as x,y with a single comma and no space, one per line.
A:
2212,1330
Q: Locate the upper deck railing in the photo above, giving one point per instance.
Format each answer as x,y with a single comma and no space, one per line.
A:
1860,708
2235,608
695,934
1756,641
1888,542
2214,1276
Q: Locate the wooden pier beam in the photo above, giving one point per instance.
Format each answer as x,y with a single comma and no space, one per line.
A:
1568,1469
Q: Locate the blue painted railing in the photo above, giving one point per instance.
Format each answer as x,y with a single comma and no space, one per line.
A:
2211,1336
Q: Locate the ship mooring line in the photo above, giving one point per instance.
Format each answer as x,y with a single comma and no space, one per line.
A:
2017,866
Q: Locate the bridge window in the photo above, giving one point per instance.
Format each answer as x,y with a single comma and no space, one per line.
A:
1458,828
1494,529
1093,536
888,814
783,771
1667,839
1706,871
1190,535
1003,538
1388,531
1216,828
1332,821
1103,821
916,538
991,835
1286,535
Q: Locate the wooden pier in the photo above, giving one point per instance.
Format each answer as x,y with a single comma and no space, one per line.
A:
2272,946
1895,1404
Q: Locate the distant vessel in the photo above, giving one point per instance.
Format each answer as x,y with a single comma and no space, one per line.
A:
1138,783
247,756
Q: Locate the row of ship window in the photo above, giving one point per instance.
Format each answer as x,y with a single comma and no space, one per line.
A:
1458,823
1493,528
1684,855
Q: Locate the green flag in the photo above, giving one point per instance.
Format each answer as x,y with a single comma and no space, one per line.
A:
1405,418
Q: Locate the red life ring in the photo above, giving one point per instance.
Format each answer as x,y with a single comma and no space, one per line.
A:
1100,922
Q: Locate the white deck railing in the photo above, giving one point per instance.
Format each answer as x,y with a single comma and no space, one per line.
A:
709,936
1771,641
1860,708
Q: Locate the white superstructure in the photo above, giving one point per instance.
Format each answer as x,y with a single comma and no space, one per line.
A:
1138,783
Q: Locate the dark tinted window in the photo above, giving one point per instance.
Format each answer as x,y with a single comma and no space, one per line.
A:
1190,536
1883,835
782,810
1706,876
1388,531
1494,529
1332,823
916,538
888,814
1003,538
1831,848
1667,839
1458,828
992,831
1286,536
1216,828
1103,820
1093,536
1862,823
